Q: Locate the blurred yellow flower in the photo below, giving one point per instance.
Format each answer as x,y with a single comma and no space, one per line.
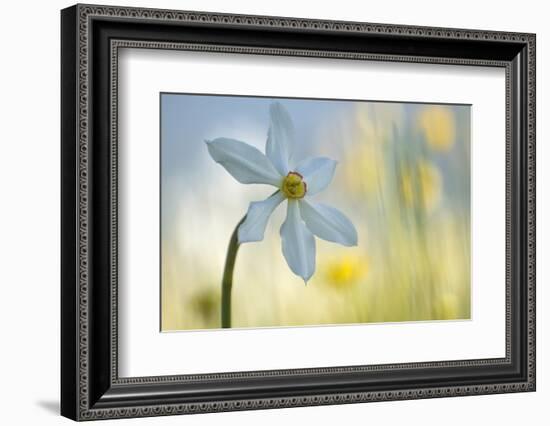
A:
346,270
438,125
421,186
206,303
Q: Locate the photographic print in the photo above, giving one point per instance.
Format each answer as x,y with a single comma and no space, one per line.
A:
280,212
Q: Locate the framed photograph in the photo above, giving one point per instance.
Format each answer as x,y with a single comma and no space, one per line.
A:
263,212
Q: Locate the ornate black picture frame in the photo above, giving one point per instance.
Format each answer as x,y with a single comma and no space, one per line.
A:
91,387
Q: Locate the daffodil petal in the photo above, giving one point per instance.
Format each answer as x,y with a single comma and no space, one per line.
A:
328,223
298,243
280,138
244,162
253,227
317,173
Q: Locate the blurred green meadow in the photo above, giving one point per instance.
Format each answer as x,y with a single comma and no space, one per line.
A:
403,178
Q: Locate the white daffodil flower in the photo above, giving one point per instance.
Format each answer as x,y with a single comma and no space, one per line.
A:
294,183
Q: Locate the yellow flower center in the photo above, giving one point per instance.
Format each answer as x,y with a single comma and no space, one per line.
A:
294,186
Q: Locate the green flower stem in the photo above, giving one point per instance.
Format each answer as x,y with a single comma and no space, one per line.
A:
227,280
